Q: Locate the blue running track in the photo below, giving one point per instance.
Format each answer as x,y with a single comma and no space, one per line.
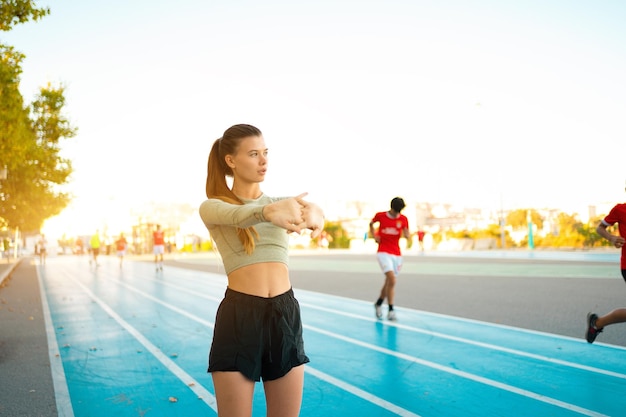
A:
134,342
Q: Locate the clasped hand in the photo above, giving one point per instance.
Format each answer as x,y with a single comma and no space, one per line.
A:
295,215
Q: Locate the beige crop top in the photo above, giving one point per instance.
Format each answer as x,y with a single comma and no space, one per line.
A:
222,219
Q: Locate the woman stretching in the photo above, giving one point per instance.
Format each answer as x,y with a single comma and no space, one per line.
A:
258,329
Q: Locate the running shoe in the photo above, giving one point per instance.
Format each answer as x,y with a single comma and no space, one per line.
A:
392,315
592,331
379,311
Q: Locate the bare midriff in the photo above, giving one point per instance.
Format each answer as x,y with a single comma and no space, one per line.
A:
266,279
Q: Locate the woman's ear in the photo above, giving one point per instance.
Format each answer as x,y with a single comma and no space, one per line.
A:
229,161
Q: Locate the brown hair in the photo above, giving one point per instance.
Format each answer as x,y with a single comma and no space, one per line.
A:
218,170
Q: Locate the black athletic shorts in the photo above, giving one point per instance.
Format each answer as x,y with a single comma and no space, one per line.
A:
259,337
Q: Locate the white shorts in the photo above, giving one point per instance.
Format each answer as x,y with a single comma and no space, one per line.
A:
159,249
121,253
389,262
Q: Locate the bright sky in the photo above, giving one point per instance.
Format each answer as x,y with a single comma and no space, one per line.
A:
466,102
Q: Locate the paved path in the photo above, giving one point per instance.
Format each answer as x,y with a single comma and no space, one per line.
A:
476,336
26,387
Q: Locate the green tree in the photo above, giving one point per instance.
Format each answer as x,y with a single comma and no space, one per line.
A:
15,132
519,218
567,233
29,137
50,126
590,237
13,12
340,238
31,192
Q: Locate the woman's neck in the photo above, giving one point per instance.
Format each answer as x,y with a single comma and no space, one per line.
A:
251,192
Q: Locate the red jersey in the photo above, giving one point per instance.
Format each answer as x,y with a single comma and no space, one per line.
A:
159,237
121,244
390,231
618,215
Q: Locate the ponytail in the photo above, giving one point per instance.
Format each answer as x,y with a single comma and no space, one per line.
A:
216,185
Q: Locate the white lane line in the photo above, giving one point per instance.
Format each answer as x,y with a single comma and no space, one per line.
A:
360,393
317,295
174,286
319,374
187,379
462,374
61,390
474,342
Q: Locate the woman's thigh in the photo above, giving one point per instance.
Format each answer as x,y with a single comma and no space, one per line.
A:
233,393
284,395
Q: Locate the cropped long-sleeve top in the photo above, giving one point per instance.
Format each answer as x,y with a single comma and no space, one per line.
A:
222,220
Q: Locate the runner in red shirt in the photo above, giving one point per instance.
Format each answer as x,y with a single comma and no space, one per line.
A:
158,247
595,323
120,246
420,238
391,227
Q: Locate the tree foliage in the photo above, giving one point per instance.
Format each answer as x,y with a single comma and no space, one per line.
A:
565,234
31,193
30,137
519,218
339,237
13,12
567,231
